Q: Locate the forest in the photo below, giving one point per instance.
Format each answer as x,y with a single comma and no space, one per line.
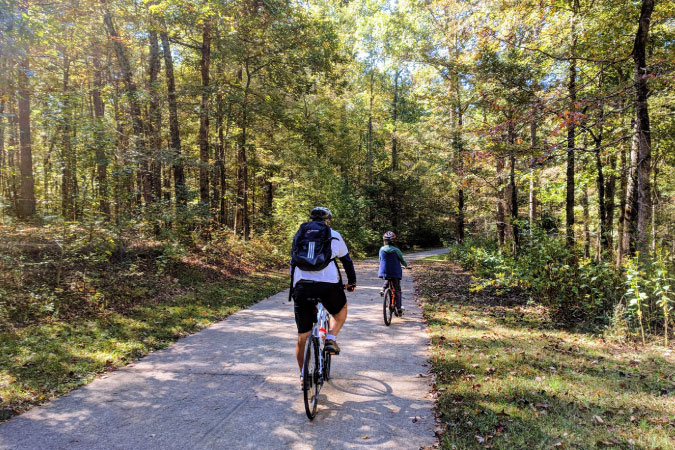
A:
149,145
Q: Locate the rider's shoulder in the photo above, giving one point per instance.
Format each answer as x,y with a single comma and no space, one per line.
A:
335,234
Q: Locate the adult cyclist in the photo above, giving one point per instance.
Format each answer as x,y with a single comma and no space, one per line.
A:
310,286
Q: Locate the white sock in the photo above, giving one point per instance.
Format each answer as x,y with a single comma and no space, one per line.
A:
330,336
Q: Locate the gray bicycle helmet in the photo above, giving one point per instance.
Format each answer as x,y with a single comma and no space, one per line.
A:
320,213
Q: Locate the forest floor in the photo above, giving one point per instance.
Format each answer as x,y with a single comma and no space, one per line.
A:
69,317
507,377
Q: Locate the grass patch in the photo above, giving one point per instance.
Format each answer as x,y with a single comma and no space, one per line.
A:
508,378
41,361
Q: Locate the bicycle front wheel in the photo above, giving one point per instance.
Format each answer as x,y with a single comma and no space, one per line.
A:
310,382
387,307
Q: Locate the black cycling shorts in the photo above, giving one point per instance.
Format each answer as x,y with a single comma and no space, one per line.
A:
307,295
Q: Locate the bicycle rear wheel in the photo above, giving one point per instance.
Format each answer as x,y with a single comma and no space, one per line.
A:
310,383
387,307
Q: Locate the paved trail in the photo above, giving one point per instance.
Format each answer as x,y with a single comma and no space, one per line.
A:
229,387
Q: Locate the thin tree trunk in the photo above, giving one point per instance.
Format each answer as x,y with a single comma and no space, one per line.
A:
501,217
623,189
135,110
69,178
394,158
571,131
3,158
26,203
631,213
642,127
174,132
204,115
369,168
513,188
155,118
99,132
610,190
241,212
587,231
532,210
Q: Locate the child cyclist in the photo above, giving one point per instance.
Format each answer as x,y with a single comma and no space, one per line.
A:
391,259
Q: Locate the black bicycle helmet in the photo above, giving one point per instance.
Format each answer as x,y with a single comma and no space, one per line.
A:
320,213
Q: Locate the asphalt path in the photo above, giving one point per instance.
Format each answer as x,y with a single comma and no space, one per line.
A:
235,385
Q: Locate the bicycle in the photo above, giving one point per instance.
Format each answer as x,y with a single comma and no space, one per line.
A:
389,303
316,367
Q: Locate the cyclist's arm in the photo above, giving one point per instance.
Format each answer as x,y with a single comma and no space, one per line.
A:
401,258
348,264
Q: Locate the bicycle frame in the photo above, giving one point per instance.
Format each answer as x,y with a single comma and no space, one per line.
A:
322,319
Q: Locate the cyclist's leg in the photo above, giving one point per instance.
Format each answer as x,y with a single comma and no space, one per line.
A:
300,347
334,300
304,319
397,288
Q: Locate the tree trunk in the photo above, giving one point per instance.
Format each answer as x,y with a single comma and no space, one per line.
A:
69,176
513,188
26,203
587,231
532,210
394,158
369,168
610,189
3,158
623,184
174,132
134,108
631,213
241,212
155,118
571,131
204,116
99,133
501,217
642,127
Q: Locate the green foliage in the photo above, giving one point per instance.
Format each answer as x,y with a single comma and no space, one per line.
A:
581,292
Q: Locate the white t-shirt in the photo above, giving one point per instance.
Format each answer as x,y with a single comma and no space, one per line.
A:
329,273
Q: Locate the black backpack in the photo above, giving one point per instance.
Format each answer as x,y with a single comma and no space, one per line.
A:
311,249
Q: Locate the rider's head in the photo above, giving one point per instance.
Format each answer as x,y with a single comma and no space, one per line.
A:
320,214
389,237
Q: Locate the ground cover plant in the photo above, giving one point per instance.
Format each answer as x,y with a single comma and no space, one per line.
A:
508,377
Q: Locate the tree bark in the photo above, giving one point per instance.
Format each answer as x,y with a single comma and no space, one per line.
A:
532,210
501,217
135,110
394,158
241,212
155,118
26,201
642,127
69,175
99,132
513,188
204,115
587,231
631,213
571,131
174,131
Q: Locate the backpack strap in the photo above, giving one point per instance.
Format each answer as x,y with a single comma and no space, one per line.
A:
290,290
